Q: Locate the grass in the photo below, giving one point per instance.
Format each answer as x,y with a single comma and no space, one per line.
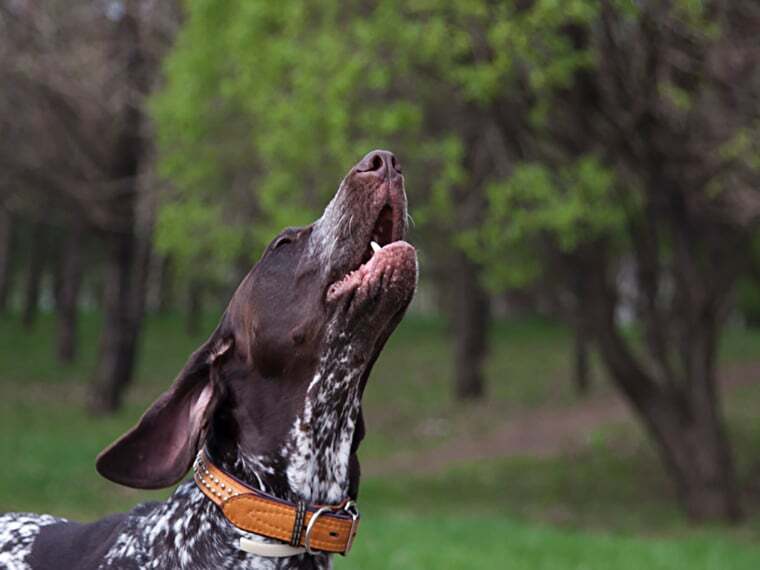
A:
424,542
605,505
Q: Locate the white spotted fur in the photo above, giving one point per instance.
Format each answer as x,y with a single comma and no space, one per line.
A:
17,534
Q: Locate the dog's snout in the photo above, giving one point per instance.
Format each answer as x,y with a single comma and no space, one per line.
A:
381,163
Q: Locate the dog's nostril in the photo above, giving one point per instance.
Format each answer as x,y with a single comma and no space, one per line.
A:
395,163
377,163
373,162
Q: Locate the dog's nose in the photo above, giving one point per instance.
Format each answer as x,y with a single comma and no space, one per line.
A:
381,163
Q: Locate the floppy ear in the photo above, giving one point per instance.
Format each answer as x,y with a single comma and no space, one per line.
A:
159,450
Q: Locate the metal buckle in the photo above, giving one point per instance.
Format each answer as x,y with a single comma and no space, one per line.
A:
351,508
310,529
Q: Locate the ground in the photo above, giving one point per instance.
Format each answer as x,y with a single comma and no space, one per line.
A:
547,431
534,478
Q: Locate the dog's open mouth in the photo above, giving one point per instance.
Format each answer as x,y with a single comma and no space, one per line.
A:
388,265
382,233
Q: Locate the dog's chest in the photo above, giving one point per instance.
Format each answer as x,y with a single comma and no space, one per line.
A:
188,532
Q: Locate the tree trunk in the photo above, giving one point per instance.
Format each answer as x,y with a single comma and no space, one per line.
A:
194,307
692,443
125,274
6,232
118,342
698,456
67,304
683,418
470,320
166,285
582,337
124,302
581,370
34,275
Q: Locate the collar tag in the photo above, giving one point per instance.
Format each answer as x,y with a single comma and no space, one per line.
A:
269,550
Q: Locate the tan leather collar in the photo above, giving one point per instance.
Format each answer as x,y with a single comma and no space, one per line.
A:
315,527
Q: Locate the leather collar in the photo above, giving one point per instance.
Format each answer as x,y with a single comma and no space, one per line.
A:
325,528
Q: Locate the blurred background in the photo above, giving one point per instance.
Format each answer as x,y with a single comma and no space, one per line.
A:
577,384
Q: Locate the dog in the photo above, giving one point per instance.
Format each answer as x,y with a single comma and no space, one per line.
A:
267,411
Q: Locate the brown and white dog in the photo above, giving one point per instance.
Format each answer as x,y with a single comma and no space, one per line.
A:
274,395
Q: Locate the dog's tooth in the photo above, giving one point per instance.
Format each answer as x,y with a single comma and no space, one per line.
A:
375,246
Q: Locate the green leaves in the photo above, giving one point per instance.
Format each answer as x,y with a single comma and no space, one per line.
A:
196,233
538,207
266,105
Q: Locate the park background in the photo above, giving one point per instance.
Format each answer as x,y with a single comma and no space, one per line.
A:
577,383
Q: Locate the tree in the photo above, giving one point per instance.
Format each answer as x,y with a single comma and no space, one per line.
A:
71,267
650,157
6,236
75,79
748,298
34,274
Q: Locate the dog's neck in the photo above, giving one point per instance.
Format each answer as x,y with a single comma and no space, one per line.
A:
313,461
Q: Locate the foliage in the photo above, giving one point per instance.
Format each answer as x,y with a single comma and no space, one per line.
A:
569,207
303,90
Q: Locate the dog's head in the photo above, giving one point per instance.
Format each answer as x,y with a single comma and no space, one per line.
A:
343,281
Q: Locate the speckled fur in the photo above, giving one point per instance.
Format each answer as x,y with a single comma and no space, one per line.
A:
17,534
186,532
318,450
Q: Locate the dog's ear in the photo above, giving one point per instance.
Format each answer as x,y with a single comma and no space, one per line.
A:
159,450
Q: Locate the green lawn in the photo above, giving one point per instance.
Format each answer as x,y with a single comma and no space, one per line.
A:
466,542
605,506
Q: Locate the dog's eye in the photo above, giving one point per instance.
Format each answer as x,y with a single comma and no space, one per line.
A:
282,241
